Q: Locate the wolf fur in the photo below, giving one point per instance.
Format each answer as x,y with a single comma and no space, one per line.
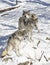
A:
14,41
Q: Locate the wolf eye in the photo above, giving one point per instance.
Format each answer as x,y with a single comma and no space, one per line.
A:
25,16
32,15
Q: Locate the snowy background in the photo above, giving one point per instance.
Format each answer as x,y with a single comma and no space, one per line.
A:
9,24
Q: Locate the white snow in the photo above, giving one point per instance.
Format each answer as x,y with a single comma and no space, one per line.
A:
47,1
9,24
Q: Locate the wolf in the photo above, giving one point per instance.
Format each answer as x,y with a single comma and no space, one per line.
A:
14,41
28,21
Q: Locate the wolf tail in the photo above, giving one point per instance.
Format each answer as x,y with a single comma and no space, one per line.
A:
4,53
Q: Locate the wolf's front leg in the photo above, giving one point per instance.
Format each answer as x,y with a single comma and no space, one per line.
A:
17,49
30,36
36,28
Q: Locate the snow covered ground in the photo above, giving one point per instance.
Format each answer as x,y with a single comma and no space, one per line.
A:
9,24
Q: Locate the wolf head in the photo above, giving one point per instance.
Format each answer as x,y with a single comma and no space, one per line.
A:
28,21
30,18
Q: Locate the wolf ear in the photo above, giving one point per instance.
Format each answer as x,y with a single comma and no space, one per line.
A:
23,12
33,15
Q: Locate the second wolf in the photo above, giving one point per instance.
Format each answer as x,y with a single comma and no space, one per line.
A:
14,41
